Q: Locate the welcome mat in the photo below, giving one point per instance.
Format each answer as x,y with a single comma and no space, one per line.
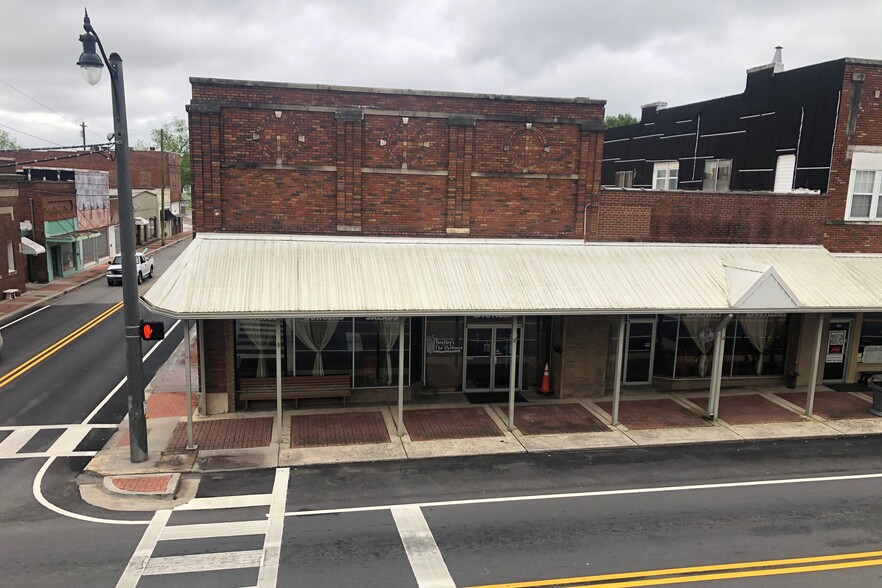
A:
856,387
492,397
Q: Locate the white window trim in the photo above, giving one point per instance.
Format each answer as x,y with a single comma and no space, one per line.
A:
667,166
865,162
716,162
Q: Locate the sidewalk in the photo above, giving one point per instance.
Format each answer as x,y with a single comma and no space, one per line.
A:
250,440
38,294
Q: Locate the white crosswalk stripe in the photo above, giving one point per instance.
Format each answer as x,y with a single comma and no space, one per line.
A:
64,446
266,560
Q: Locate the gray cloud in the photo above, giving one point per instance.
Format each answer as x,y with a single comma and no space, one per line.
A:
628,52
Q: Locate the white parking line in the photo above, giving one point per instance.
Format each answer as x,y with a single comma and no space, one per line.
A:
425,558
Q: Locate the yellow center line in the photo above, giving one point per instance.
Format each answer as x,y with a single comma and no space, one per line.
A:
49,351
649,577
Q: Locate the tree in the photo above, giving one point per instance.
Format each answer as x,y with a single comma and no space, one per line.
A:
7,143
173,136
620,120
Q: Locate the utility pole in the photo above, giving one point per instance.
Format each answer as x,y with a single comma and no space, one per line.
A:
83,126
162,185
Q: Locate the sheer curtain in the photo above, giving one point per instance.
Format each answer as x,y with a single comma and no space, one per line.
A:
698,330
388,330
263,337
761,331
316,334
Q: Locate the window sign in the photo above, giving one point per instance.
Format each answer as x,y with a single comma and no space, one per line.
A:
836,346
442,345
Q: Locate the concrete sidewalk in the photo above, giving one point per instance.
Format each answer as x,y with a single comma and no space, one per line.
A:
321,435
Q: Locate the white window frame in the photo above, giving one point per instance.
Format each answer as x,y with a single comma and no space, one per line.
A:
10,256
865,162
668,181
712,166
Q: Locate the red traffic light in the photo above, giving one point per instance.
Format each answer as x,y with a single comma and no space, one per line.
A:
152,331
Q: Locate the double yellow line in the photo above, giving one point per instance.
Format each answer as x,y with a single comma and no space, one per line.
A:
49,351
774,567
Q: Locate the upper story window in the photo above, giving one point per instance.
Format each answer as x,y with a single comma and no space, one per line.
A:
625,179
864,187
665,174
717,173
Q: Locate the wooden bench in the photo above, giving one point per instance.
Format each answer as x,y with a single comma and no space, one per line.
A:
295,388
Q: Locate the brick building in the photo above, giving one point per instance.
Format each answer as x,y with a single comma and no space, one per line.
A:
415,240
150,172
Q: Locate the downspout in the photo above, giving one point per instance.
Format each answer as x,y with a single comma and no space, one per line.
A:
585,223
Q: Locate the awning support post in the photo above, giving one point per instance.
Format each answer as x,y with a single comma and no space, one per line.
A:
188,386
713,407
512,371
813,379
400,376
200,338
620,360
279,381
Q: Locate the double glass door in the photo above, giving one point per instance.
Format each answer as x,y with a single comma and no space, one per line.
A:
488,358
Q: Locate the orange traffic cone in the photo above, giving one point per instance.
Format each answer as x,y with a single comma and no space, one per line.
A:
545,389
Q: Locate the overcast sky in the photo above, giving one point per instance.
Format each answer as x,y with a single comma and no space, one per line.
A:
625,52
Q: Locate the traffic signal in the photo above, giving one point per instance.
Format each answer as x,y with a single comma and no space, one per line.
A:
152,331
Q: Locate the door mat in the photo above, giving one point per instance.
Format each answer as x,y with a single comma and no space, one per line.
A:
856,387
491,397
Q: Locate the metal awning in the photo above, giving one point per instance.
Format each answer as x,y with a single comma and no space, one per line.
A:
29,247
73,236
273,276
169,215
140,221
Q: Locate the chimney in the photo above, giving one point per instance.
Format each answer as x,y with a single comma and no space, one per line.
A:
777,61
648,111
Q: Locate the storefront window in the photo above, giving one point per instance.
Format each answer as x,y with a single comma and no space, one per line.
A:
444,352
256,348
536,334
322,347
871,336
754,345
376,344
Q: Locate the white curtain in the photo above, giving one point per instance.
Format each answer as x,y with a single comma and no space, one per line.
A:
263,337
697,328
316,334
388,330
761,331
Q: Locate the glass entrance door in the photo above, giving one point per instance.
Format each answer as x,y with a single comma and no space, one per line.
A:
488,358
639,352
836,350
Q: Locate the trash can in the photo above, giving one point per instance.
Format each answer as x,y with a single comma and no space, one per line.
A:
875,384
791,379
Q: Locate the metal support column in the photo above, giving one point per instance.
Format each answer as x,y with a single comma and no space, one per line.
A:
816,360
400,376
279,380
713,407
200,339
620,360
188,386
512,371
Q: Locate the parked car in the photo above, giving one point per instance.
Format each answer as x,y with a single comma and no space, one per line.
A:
145,268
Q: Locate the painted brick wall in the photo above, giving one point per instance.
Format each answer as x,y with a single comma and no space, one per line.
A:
851,236
706,217
51,201
583,365
292,159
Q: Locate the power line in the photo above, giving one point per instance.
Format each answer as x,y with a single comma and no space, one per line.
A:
28,134
58,158
43,105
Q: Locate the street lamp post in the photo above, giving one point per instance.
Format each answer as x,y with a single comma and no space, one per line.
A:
92,65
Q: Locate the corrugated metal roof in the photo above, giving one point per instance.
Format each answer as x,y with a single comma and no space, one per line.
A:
221,275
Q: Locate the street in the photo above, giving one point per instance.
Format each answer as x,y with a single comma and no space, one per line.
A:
785,513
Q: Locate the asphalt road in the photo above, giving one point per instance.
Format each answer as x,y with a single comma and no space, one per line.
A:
741,514
38,546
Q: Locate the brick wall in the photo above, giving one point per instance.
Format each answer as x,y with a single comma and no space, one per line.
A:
276,158
583,362
12,275
851,236
50,201
146,172
706,217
